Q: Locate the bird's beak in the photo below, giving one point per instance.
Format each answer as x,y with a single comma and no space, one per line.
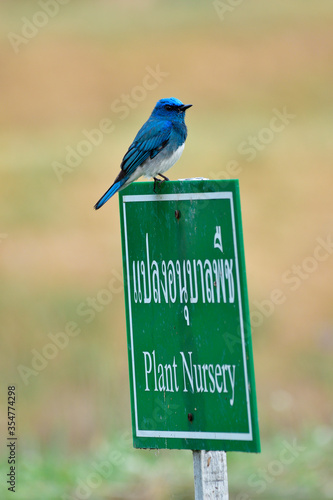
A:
185,106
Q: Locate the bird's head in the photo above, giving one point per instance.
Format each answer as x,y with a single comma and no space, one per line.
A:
171,108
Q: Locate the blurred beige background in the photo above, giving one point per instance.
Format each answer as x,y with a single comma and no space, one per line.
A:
259,76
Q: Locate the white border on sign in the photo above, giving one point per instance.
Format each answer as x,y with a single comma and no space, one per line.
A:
227,436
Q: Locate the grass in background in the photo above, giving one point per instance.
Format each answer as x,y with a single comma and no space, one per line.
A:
289,467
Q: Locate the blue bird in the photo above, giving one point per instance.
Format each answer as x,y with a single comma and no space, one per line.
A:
156,147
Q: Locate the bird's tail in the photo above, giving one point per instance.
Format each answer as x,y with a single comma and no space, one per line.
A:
110,192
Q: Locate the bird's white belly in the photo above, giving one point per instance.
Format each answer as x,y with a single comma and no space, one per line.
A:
158,165
161,163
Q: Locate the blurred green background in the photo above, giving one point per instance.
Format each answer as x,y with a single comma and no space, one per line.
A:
65,66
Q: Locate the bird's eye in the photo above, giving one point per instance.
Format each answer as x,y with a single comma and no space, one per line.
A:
168,107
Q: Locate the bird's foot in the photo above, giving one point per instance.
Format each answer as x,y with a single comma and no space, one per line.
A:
159,181
156,181
163,177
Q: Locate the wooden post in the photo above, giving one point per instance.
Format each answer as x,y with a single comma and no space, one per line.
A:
210,475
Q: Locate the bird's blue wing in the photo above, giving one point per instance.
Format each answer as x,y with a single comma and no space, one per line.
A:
149,141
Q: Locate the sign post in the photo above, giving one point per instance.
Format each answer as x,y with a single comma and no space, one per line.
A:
210,475
188,327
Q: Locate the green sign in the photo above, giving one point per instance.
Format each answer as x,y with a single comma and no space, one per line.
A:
187,314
